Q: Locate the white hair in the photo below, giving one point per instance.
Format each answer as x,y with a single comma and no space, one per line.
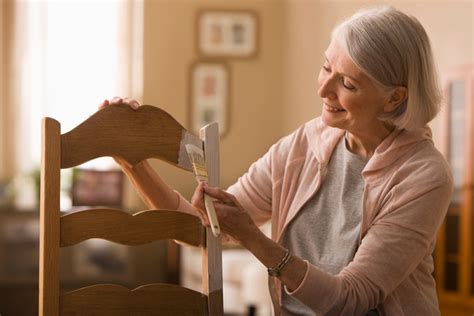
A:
393,49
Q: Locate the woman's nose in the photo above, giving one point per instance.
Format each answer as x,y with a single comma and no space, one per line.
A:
326,88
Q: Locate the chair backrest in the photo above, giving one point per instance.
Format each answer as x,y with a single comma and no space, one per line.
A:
134,136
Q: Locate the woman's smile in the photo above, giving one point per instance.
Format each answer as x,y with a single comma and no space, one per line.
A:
333,109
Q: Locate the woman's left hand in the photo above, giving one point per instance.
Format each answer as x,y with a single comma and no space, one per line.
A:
236,223
233,219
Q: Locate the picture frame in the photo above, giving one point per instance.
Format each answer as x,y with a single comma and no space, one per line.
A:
227,33
209,83
92,187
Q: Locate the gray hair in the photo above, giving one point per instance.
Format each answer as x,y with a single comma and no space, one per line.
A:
393,49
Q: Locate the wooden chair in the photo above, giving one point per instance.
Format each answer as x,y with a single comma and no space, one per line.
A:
134,136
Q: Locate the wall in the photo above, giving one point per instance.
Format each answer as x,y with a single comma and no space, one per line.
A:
306,36
6,124
309,23
255,105
2,89
275,92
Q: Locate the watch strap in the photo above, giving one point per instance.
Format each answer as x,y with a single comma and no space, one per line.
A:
275,271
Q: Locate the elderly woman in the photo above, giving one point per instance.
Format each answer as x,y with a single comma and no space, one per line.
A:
356,196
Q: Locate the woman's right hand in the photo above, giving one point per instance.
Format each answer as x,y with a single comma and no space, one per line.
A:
134,104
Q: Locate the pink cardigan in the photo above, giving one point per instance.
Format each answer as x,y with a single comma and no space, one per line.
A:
408,186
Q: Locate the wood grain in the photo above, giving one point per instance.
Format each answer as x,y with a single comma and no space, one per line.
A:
49,219
152,299
119,131
212,255
127,229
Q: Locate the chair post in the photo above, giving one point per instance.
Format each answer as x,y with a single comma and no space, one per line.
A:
212,258
49,218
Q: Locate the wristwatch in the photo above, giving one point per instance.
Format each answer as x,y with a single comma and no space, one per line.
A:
275,271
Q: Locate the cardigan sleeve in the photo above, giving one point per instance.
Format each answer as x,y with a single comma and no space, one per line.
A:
257,190
253,190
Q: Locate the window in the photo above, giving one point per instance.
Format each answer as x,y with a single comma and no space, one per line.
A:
68,57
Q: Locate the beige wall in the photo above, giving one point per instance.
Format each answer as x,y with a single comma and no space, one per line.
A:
275,92
6,127
448,23
2,89
255,109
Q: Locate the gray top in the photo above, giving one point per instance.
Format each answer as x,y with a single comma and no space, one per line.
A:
326,230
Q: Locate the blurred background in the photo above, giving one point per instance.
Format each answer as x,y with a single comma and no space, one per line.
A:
250,65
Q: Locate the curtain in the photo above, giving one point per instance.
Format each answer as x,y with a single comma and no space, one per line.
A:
65,58
6,110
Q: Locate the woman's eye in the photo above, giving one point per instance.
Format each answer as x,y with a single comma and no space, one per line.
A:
347,85
326,68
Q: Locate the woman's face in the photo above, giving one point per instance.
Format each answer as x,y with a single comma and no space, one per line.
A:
351,100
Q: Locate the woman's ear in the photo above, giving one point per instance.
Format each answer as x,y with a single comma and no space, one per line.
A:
396,98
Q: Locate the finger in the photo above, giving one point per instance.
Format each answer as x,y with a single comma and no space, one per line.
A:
203,217
198,202
116,100
134,104
221,195
198,196
103,104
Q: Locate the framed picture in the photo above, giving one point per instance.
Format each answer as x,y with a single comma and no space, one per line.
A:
97,188
227,33
209,95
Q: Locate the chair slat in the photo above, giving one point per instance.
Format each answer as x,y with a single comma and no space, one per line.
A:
134,135
130,229
153,299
